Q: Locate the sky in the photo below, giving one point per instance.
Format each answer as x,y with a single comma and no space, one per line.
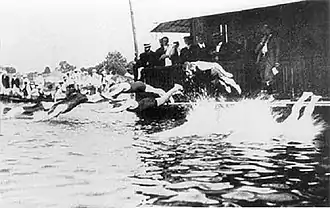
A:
39,33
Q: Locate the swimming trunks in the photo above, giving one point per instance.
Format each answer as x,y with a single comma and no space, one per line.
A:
72,101
137,87
144,104
31,109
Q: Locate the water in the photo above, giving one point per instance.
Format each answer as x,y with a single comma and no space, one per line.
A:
85,159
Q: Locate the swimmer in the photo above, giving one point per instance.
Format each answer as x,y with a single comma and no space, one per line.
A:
134,87
132,105
52,110
217,72
295,111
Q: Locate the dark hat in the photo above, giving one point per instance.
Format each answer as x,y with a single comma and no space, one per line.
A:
164,38
147,45
187,38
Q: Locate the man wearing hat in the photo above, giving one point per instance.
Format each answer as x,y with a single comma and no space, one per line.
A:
147,59
268,53
190,52
163,54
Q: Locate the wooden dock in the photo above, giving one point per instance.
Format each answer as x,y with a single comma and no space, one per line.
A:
280,103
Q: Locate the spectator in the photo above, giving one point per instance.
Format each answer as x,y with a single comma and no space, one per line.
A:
40,81
190,52
163,53
5,83
267,51
205,52
147,58
34,91
175,54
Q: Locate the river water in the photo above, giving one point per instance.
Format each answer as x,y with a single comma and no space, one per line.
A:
88,159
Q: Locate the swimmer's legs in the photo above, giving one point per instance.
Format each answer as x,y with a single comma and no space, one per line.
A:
54,113
11,113
157,91
297,106
117,89
221,70
310,107
225,86
232,83
163,99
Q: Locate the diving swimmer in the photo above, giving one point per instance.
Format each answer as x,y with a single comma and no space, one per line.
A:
134,87
52,110
132,105
217,72
309,109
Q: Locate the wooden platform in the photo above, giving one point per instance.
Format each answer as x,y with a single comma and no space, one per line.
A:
281,103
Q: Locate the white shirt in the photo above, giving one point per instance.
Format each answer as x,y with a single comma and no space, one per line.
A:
201,45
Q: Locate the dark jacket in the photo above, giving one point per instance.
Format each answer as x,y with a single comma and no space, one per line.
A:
205,53
5,81
158,53
147,59
190,54
15,82
272,56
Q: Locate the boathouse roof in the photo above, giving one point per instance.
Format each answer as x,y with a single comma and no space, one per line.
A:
184,25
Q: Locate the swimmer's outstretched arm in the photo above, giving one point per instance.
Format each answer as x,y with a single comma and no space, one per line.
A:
55,113
97,98
123,107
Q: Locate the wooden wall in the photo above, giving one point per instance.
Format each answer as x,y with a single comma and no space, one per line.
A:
303,29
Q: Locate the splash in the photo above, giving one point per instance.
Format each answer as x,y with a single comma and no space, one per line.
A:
251,120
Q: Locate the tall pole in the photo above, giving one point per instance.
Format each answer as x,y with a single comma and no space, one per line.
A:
134,30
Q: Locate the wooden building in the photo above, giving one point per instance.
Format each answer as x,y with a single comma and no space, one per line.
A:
303,31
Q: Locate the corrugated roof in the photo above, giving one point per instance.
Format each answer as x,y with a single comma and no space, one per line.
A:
177,26
183,25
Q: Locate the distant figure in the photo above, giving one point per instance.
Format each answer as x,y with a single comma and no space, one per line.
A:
26,89
5,83
53,110
15,85
34,91
147,59
59,91
204,50
40,81
190,52
15,82
95,81
175,53
163,53
267,51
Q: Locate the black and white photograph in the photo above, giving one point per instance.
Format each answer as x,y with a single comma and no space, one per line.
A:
164,103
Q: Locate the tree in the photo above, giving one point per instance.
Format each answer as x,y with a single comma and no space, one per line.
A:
9,69
65,67
114,61
47,70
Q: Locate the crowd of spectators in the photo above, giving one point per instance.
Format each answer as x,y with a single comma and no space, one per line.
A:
171,54
38,88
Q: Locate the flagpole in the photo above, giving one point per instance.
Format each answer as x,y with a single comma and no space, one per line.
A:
134,30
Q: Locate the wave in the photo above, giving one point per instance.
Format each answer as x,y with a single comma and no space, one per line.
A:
247,120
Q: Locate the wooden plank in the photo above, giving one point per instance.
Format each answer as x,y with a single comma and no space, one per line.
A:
284,103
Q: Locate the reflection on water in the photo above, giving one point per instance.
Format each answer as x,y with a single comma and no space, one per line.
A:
194,172
84,159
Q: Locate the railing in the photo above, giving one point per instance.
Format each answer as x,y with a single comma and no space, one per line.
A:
296,75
